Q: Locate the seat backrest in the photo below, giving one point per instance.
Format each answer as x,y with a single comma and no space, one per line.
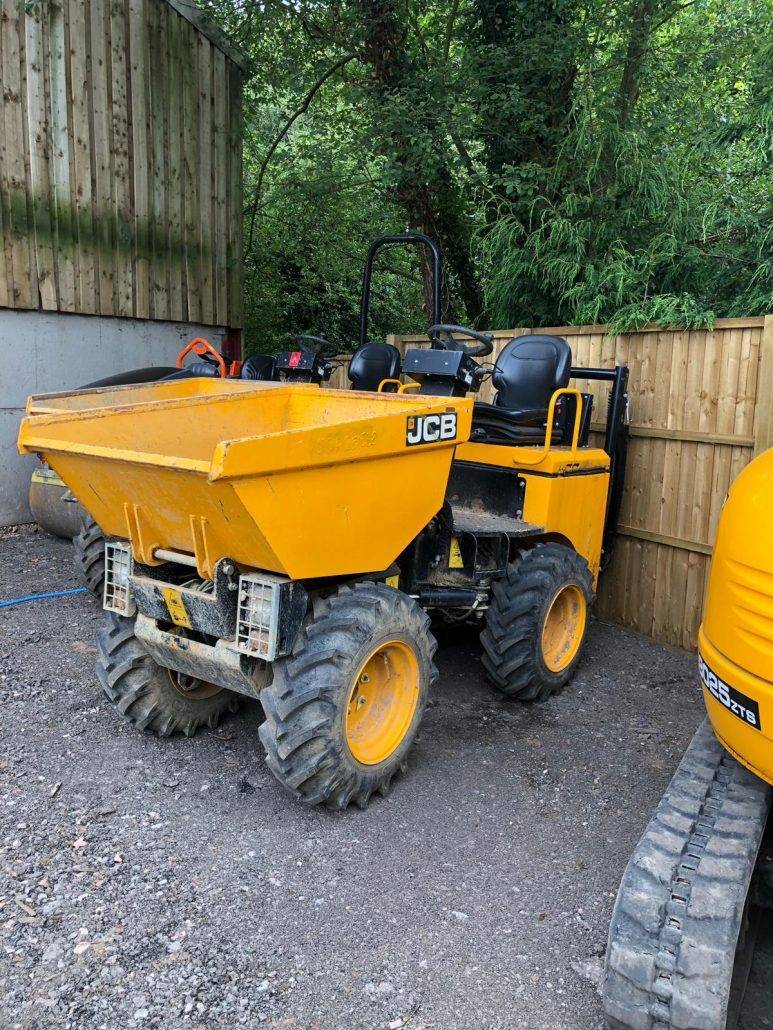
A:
195,370
529,370
261,367
373,362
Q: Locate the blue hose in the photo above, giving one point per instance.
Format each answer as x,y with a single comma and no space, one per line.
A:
42,597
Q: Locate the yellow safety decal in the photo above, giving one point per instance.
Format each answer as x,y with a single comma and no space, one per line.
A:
393,581
455,555
176,607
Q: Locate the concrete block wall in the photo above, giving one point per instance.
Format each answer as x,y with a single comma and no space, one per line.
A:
44,352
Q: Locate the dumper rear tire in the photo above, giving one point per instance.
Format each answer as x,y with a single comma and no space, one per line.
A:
536,622
344,708
149,696
89,555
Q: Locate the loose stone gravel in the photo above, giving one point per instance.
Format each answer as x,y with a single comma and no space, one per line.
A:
172,883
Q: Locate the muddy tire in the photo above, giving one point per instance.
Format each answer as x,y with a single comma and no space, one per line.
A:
89,555
344,708
675,956
149,696
536,622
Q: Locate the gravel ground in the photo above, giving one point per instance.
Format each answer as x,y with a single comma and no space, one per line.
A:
173,883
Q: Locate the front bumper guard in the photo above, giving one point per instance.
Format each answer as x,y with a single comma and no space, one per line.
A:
218,663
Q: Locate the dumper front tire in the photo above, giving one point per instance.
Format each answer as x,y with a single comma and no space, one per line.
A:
89,555
344,708
149,696
536,622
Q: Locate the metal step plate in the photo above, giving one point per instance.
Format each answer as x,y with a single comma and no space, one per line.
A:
467,520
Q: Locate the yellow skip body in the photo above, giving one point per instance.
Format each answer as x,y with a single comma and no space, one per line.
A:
287,478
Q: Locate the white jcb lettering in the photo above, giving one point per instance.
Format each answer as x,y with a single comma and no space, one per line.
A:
414,431
431,428
448,425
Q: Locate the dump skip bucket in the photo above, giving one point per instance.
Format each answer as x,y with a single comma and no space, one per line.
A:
289,478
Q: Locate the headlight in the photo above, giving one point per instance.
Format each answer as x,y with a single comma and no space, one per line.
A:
257,616
119,566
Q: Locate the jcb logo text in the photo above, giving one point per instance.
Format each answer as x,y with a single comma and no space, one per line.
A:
430,428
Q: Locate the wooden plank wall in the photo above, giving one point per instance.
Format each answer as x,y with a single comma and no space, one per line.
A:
701,406
120,163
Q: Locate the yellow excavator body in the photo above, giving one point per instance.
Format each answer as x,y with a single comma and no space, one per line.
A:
736,638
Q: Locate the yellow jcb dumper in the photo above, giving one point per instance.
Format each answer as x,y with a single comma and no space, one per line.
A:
701,877
284,542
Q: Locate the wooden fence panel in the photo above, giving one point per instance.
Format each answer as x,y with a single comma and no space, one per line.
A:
21,285
120,147
701,406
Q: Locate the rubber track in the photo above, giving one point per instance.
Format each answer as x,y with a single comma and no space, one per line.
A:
89,555
678,913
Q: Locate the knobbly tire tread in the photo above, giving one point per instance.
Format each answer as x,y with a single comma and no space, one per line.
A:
305,705
140,689
680,907
89,555
513,630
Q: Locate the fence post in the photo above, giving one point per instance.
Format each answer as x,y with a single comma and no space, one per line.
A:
763,413
396,341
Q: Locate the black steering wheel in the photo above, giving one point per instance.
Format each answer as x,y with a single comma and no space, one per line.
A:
319,345
442,335
210,359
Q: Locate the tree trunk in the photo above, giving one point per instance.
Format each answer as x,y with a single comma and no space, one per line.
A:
527,65
634,57
425,188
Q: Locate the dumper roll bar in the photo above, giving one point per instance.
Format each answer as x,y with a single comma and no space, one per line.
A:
411,238
615,444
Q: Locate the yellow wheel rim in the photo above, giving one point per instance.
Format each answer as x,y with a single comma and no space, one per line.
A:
382,702
564,628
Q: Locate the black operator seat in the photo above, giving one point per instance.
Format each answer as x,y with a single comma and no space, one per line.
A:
259,367
372,363
528,372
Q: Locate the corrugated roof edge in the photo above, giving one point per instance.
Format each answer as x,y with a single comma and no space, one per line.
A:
188,10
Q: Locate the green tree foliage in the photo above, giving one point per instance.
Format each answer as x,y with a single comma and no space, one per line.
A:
579,161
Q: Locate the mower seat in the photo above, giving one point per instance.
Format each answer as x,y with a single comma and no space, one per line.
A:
528,372
373,362
195,370
261,367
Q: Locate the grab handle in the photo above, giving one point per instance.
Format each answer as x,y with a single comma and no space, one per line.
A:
202,348
568,392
